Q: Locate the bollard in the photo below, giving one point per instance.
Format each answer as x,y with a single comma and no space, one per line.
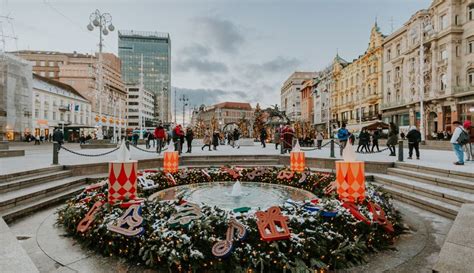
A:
400,150
332,149
55,153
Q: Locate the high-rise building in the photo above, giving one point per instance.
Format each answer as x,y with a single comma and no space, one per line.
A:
154,48
140,105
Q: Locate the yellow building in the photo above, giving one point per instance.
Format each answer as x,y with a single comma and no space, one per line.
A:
357,93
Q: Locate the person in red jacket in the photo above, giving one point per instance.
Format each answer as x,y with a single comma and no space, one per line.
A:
178,137
160,136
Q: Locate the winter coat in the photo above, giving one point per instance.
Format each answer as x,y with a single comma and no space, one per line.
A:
160,133
288,138
189,135
236,135
215,139
276,137
414,136
364,138
207,138
58,136
392,136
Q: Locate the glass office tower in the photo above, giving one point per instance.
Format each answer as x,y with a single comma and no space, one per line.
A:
155,47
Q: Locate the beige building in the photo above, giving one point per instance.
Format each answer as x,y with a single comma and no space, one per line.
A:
290,94
446,32
225,113
357,92
80,71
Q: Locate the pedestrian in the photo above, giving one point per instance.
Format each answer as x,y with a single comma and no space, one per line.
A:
364,139
236,138
263,137
470,130
207,140
458,140
189,139
135,137
215,139
343,136
375,140
287,138
392,138
414,139
160,136
178,138
277,137
82,139
319,139
58,136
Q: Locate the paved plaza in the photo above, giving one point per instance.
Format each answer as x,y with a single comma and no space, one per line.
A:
41,156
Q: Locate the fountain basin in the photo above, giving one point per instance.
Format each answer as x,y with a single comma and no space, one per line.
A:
255,195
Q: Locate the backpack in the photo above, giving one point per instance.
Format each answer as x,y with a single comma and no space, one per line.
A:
342,134
463,138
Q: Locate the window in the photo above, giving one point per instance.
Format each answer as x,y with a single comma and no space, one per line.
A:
36,113
388,76
457,51
444,54
51,74
45,114
42,63
443,82
470,14
399,50
389,54
470,77
61,117
443,21
470,46
54,115
397,72
456,20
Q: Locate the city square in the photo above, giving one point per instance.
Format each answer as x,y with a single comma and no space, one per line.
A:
224,151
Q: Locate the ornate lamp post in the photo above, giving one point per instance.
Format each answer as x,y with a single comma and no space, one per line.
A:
425,27
103,22
185,100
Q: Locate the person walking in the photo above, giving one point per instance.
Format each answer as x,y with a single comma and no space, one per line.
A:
277,137
215,139
178,138
135,137
375,140
342,135
58,136
236,138
189,139
392,138
364,139
37,140
287,138
414,138
207,140
458,140
319,139
263,137
468,147
82,139
160,136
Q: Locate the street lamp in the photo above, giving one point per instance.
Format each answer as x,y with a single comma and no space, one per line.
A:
102,21
425,26
185,100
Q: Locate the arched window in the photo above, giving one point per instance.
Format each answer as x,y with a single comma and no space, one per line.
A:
470,77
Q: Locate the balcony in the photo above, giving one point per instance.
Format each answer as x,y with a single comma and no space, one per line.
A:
463,89
63,107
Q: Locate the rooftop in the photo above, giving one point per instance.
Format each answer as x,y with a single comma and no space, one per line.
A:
59,85
138,33
234,105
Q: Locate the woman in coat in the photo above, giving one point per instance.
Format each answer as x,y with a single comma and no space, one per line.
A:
207,140
276,138
392,138
215,139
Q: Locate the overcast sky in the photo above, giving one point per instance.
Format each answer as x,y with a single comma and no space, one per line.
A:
237,50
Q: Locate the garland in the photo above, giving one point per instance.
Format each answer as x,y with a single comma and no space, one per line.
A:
326,235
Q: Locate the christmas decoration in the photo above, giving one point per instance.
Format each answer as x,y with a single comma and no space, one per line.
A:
129,223
185,214
224,247
297,159
170,161
325,235
350,177
272,224
89,218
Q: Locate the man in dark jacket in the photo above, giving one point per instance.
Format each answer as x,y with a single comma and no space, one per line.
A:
58,136
263,137
375,140
236,137
189,139
414,139
364,139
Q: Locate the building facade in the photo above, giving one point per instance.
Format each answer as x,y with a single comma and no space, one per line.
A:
154,48
221,114
15,97
140,105
81,71
307,101
358,86
323,86
58,105
444,34
290,94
